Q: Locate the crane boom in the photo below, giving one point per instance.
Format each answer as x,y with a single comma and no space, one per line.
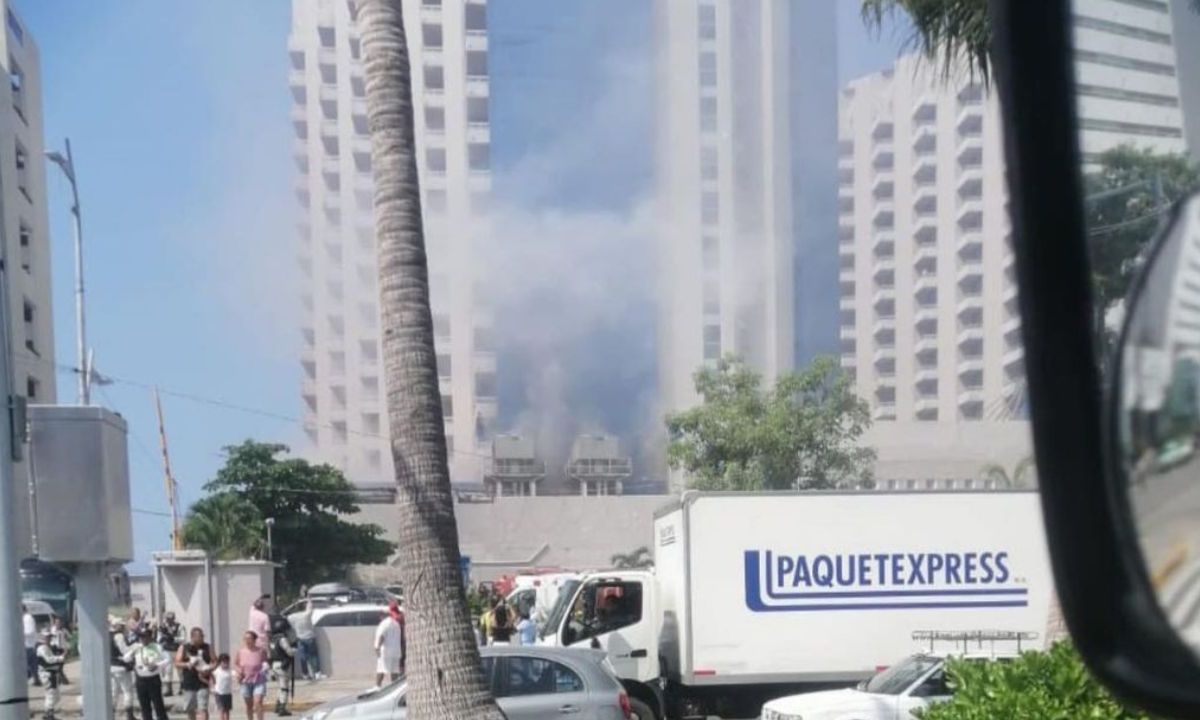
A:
168,478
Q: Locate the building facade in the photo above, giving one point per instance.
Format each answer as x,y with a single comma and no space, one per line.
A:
23,208
729,183
1127,75
343,384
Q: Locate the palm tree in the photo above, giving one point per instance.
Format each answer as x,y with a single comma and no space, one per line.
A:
639,558
445,678
950,32
1023,475
225,526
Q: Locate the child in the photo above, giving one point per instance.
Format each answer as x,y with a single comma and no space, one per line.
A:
222,685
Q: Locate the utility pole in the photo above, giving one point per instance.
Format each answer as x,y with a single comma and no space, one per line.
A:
176,540
66,163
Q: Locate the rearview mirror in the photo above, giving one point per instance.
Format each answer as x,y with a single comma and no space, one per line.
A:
1154,408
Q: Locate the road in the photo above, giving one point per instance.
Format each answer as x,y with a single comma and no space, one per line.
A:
1167,508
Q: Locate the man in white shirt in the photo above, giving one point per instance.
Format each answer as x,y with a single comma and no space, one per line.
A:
29,627
389,645
306,642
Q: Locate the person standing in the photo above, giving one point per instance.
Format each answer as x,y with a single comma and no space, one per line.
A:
134,627
194,660
29,628
526,630
170,632
149,660
307,655
251,666
222,686
121,670
389,645
49,665
283,657
259,622
502,625
60,642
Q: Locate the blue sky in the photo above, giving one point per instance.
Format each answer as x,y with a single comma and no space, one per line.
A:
178,114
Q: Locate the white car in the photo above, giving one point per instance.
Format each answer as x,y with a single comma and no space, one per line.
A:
893,694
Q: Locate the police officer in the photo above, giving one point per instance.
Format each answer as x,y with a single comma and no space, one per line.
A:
283,651
170,635
49,666
121,669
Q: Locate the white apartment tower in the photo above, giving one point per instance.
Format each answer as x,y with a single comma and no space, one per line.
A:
929,323
1126,75
343,384
729,137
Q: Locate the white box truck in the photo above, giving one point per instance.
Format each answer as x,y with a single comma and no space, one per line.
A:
758,595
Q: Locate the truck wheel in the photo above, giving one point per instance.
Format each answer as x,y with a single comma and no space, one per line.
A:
640,710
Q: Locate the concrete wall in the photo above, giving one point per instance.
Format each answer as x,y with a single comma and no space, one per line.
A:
517,533
235,585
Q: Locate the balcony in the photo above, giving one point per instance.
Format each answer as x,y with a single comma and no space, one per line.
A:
925,282
925,229
925,406
848,332
849,360
845,232
925,142
479,133
477,87
846,163
884,216
882,296
846,274
970,365
970,152
970,336
924,110
970,276
925,170
1011,330
883,157
970,247
883,188
883,268
846,302
970,396
925,319
883,325
884,411
883,355
883,244
476,40
925,345
970,183
970,120
1013,362
925,374
925,259
970,215
882,130
970,307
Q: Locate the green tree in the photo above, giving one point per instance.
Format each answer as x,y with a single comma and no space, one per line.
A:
801,434
638,558
444,674
1024,474
952,33
1127,194
226,526
1053,685
305,500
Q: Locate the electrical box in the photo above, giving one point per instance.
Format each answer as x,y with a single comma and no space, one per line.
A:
79,464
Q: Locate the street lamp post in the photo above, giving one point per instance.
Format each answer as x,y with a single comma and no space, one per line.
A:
66,163
270,524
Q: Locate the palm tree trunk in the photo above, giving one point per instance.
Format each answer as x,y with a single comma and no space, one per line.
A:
445,679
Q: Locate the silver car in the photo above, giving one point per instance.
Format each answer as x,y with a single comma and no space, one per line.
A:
529,682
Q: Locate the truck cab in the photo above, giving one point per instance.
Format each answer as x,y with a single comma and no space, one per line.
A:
614,612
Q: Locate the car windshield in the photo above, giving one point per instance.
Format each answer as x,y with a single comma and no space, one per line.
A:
565,594
900,677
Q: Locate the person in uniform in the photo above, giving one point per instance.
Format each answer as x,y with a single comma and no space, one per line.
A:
121,670
283,653
49,668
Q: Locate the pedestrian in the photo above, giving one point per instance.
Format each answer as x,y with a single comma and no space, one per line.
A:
526,630
170,634
283,653
222,686
251,666
29,628
390,647
259,621
49,665
134,627
502,626
307,655
121,670
149,660
60,642
194,660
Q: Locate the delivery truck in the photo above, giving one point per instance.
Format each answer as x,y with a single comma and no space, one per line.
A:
757,595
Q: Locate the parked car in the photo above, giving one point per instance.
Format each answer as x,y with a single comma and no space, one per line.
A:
529,683
349,615
915,682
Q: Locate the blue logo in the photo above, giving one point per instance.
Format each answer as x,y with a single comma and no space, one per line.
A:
880,581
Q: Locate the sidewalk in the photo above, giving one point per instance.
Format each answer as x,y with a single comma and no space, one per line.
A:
308,695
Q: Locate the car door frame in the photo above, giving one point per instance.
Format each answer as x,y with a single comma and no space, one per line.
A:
635,662
500,683
905,713
1103,586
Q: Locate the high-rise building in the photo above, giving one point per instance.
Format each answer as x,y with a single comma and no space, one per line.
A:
746,181
25,229
343,384
1127,75
930,329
